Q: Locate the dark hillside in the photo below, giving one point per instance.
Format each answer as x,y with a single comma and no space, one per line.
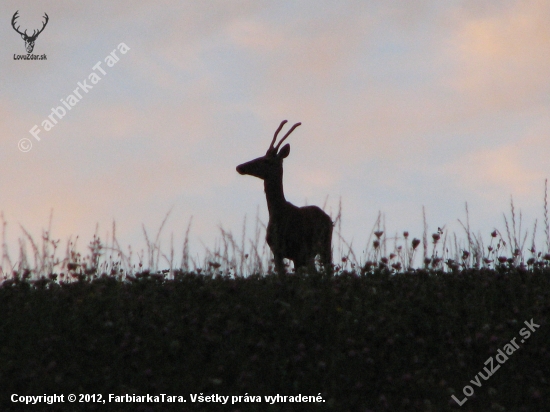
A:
380,342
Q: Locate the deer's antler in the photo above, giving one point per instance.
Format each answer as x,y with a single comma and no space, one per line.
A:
286,135
34,33
43,26
276,148
15,16
276,133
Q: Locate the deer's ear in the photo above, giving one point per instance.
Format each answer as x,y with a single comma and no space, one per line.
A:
284,151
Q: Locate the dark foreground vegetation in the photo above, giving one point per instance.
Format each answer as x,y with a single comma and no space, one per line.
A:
379,342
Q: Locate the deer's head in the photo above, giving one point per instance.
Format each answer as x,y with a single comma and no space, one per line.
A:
29,40
271,164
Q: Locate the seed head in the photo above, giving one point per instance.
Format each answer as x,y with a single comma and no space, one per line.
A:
368,265
397,266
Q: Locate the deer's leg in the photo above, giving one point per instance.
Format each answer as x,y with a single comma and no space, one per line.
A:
279,264
311,265
326,251
326,261
299,264
326,255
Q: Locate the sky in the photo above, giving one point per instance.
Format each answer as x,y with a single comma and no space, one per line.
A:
403,105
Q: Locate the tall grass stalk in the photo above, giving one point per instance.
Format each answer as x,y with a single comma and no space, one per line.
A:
252,256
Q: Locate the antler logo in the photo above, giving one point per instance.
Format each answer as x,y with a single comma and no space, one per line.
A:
29,40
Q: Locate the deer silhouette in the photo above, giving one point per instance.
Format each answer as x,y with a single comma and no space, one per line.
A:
29,40
295,233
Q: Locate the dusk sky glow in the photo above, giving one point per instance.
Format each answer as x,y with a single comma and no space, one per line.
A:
402,105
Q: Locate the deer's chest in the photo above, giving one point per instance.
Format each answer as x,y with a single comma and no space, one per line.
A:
283,233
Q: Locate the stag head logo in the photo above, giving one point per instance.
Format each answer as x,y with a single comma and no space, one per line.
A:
29,40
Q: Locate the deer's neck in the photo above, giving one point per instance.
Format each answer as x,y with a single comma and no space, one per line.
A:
274,194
